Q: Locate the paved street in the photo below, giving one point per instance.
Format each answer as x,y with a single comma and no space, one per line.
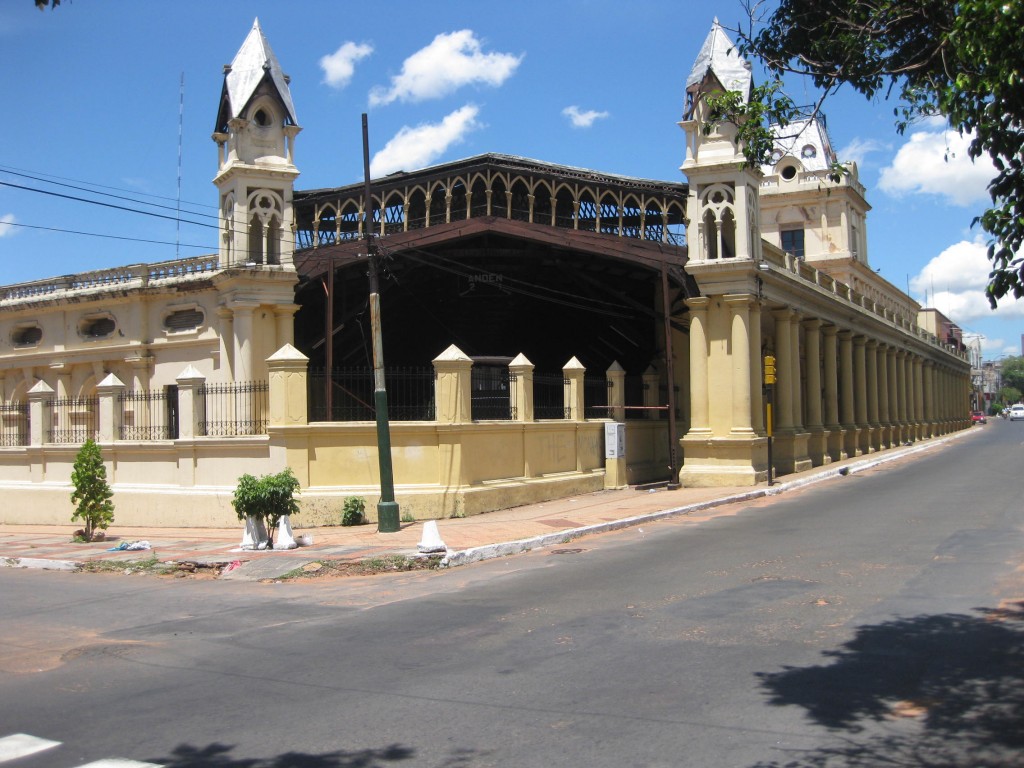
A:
873,619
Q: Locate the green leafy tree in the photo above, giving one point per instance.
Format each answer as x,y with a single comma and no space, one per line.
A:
92,495
267,498
959,60
1009,395
1012,373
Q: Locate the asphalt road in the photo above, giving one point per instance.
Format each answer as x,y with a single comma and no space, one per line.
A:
871,620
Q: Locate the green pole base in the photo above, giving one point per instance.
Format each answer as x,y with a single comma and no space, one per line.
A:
387,517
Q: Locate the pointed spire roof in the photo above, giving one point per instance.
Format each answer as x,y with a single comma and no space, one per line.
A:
719,56
254,63
806,140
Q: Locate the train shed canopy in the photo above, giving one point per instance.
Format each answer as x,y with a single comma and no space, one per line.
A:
498,255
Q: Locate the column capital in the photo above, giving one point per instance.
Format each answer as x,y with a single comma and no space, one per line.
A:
860,341
813,324
783,313
698,303
737,301
829,330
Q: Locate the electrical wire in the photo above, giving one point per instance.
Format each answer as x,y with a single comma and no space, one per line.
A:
107,237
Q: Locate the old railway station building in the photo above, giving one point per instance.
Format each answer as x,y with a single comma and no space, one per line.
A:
547,330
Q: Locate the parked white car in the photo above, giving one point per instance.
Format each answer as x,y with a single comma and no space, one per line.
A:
1017,412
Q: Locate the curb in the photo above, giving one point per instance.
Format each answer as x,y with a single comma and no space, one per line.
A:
490,551
40,563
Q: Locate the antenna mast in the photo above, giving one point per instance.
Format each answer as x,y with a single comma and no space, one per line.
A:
181,115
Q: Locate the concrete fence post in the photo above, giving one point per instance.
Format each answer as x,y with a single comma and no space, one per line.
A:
190,404
573,371
288,391
109,408
40,413
522,392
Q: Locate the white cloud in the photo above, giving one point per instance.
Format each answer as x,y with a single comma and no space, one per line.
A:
858,149
5,224
582,119
451,61
936,162
339,66
413,148
955,280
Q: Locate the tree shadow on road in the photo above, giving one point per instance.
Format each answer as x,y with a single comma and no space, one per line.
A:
218,755
941,690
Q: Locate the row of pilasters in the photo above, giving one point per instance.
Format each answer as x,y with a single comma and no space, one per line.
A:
864,395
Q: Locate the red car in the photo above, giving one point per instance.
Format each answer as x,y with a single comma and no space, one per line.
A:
978,417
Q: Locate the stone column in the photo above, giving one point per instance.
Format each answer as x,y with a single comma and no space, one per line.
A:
795,377
739,318
109,408
921,420
243,327
911,398
453,388
284,324
817,445
756,374
521,370
872,385
227,342
784,367
860,393
616,377
699,413
894,397
830,358
901,394
847,416
929,398
573,371
885,437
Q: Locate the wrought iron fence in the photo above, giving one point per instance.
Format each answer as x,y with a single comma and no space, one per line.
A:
410,394
14,431
149,415
234,410
549,397
595,397
635,390
492,393
73,420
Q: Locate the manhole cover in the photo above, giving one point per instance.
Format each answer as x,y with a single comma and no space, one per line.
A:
567,551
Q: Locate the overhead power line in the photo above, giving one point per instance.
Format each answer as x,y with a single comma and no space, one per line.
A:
107,237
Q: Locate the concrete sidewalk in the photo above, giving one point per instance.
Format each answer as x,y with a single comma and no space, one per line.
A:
467,539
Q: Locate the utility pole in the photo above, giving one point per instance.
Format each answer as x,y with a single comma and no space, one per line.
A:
673,440
387,508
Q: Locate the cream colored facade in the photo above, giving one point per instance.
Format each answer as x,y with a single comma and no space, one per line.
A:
855,371
859,367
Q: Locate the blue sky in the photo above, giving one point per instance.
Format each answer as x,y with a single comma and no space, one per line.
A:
93,93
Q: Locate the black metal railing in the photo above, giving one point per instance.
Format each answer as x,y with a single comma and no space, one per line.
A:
73,419
149,415
410,394
595,397
234,410
14,425
549,397
492,394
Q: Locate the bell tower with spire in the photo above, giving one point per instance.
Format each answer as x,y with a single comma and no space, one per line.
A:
723,203
255,135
